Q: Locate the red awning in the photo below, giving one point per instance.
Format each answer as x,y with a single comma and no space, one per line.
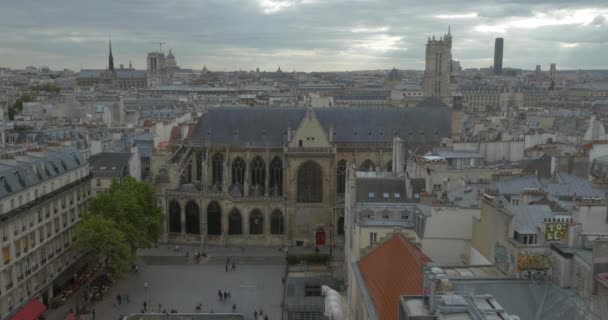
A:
70,316
31,311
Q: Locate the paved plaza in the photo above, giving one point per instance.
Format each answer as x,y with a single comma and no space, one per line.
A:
181,285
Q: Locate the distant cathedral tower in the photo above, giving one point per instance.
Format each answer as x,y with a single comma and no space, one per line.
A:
111,59
438,67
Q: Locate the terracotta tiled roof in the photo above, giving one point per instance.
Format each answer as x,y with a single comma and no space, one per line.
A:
391,270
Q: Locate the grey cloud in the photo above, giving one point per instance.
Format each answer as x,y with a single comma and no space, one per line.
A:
598,20
309,35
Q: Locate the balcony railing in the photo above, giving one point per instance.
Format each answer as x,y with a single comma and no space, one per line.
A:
44,198
309,150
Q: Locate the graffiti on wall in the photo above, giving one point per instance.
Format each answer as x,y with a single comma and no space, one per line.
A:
527,262
501,257
556,231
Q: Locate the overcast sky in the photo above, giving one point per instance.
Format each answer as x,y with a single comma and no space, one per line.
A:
306,35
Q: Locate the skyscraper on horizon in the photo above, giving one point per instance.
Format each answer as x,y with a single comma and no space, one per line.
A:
498,48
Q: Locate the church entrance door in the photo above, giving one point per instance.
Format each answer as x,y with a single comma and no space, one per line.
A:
320,237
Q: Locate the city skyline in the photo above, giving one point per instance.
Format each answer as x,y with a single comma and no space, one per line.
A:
305,35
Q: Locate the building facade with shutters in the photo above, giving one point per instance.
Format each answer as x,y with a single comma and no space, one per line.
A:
43,194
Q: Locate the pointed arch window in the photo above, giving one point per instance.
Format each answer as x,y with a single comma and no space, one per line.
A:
238,171
193,219
277,222
175,222
341,225
367,165
310,183
214,219
258,176
256,222
217,171
276,177
235,222
341,177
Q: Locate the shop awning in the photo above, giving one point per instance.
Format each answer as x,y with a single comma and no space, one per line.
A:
70,316
31,311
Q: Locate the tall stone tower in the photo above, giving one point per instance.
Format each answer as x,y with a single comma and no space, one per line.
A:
157,69
552,75
438,68
498,49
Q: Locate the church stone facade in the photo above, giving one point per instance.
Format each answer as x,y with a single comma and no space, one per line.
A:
276,176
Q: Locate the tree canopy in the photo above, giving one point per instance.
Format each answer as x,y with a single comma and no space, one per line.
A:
18,105
132,206
103,241
47,87
128,208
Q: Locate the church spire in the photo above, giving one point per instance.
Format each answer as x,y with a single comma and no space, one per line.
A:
111,59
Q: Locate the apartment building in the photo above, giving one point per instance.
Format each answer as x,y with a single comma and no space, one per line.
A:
43,193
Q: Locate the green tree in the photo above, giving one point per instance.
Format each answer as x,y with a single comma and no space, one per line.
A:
18,105
103,242
47,87
131,205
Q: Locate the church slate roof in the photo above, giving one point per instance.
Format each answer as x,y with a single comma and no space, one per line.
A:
120,74
268,126
247,125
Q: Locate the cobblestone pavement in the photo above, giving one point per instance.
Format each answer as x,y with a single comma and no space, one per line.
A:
182,285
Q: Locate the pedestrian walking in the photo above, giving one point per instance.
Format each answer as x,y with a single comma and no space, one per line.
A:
93,313
225,296
219,294
261,312
227,266
255,314
266,317
234,308
118,299
145,306
146,285
229,296
233,265
159,307
136,268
